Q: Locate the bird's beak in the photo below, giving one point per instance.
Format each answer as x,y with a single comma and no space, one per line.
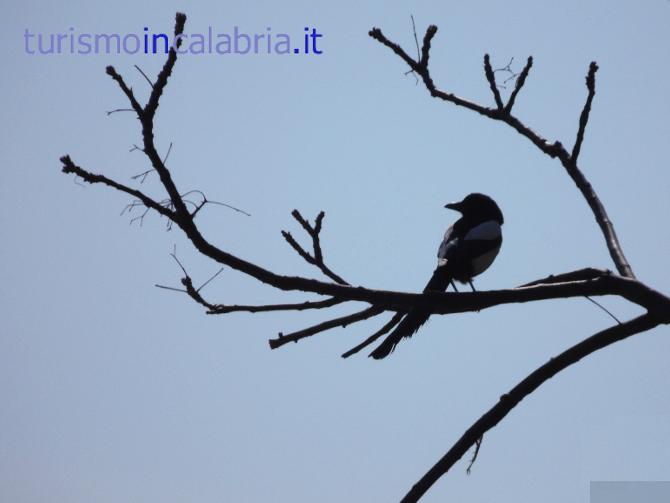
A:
453,206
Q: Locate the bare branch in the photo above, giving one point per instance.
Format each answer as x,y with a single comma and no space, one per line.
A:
554,150
510,400
425,47
436,302
164,75
377,34
143,176
492,81
520,81
586,282
146,116
300,306
194,293
209,280
342,321
71,167
314,232
578,275
126,90
602,218
584,117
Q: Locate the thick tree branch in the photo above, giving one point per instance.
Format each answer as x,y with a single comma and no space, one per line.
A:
395,301
164,75
524,388
436,302
554,150
585,282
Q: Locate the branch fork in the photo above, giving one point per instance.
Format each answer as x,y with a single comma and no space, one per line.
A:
585,282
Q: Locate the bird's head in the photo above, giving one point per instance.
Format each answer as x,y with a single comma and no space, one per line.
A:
478,206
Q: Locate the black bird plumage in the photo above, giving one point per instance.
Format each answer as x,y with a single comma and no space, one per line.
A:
469,247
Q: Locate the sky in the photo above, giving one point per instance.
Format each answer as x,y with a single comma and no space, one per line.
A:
115,390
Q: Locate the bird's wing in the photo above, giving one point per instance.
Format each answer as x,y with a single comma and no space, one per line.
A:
478,241
447,246
486,230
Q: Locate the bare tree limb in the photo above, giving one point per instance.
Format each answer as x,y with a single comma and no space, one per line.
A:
490,76
578,275
71,167
508,401
520,81
126,90
585,282
298,306
436,302
554,150
194,293
342,321
314,232
584,117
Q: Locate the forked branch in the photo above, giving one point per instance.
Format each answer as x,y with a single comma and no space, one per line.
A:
554,150
181,210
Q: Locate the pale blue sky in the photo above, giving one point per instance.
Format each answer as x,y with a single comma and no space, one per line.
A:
113,390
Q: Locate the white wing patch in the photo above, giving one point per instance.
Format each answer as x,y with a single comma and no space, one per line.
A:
486,230
442,250
481,263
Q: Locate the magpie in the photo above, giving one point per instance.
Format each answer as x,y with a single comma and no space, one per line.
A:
469,247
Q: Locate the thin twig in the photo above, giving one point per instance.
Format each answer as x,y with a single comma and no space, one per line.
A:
167,154
180,290
603,308
478,445
209,280
116,110
145,76
416,39
234,208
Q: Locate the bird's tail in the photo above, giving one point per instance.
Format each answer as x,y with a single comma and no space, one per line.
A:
415,317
